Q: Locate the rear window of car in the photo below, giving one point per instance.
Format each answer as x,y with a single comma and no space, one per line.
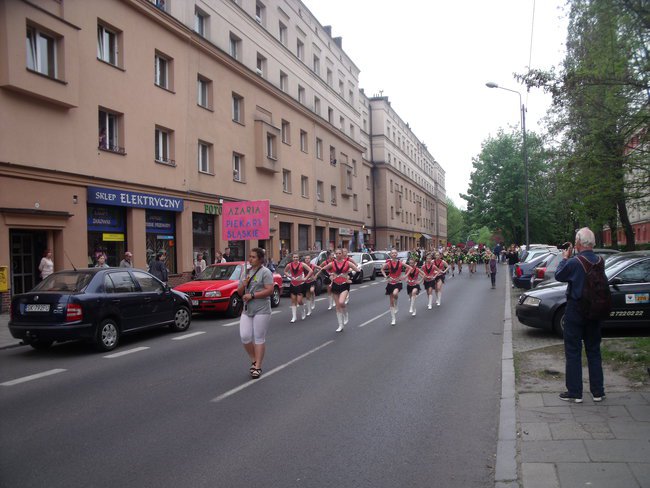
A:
65,282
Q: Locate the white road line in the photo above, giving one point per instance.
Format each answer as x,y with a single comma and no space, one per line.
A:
124,353
243,386
32,377
236,322
364,286
187,336
374,318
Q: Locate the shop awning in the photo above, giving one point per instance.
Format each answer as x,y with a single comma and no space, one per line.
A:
427,237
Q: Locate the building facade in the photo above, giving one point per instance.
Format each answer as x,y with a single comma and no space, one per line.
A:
132,121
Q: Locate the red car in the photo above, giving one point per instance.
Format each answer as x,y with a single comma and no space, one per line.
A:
215,290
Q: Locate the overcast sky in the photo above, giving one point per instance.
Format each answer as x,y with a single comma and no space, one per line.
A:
432,59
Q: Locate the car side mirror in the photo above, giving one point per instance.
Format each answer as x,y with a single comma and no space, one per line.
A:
615,282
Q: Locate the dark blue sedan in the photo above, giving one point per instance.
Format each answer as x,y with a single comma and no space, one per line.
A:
524,271
97,305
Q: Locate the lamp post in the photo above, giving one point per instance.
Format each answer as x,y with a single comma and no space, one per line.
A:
491,84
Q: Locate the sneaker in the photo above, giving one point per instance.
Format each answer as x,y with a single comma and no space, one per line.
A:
429,306
570,398
599,398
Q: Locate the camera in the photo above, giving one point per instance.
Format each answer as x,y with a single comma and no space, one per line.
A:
564,246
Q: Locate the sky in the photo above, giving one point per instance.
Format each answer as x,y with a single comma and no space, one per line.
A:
432,59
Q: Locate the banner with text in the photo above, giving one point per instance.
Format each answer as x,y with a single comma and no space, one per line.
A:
245,221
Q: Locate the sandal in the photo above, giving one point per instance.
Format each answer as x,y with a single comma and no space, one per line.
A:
256,373
252,368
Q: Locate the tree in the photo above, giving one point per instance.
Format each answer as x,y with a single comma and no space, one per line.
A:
455,223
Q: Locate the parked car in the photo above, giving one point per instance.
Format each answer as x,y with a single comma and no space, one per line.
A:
317,258
535,252
524,271
379,257
97,305
544,273
366,266
629,279
215,289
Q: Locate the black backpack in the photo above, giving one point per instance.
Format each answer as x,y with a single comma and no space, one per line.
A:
596,300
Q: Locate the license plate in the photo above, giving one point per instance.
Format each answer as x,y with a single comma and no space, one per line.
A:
195,303
37,307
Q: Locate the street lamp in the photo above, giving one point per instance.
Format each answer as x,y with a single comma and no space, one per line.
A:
491,84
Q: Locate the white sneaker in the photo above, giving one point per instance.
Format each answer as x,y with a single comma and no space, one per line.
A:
429,306
392,322
438,303
308,310
414,312
313,304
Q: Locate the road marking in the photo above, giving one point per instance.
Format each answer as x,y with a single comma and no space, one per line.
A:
243,386
187,336
32,377
364,286
374,318
124,353
236,322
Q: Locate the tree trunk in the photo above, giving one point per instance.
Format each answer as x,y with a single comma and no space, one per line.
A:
614,232
627,226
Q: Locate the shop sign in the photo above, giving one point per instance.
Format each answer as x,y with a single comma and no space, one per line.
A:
160,223
164,238
112,237
213,209
345,231
244,221
123,198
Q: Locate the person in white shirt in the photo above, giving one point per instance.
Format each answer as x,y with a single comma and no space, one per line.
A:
46,267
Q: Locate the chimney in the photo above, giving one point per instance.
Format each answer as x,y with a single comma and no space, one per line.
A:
328,29
339,42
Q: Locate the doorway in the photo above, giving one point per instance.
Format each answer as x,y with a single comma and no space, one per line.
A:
27,248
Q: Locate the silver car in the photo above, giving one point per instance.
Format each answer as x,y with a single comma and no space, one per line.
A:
366,266
379,257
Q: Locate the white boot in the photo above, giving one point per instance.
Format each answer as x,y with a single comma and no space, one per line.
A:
346,317
393,311
430,302
412,306
313,302
293,314
347,298
438,297
331,302
339,318
308,305
303,311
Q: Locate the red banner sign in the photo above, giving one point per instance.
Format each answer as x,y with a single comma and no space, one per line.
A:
245,221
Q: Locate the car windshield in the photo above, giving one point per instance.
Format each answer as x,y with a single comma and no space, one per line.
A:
379,255
231,272
65,281
357,257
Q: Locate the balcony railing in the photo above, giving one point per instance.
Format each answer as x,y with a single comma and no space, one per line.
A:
167,161
107,146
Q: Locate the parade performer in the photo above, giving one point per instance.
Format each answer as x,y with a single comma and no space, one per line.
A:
430,271
309,292
298,273
413,279
395,269
440,279
339,269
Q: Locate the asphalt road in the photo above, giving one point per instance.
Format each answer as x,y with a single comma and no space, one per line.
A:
414,405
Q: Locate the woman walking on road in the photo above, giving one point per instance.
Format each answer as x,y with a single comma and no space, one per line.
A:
309,292
255,291
395,269
298,273
492,262
440,279
430,272
339,269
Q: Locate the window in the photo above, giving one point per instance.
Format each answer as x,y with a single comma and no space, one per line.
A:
163,146
261,65
284,82
260,13
106,45
235,46
204,150
160,4
270,146
341,88
286,181
204,92
352,131
237,108
330,115
304,186
301,94
351,97
348,179
41,52
342,124
368,210
319,191
354,167
303,141
163,71
355,203
367,182
237,167
200,22
286,132
319,148
332,155
333,195
317,105
300,50
109,127
316,65
282,33
329,77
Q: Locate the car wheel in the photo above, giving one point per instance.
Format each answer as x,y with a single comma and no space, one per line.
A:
373,277
234,306
107,335
558,322
41,345
275,298
182,319
359,277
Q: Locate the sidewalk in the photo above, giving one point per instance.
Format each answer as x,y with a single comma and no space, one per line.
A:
565,445
6,340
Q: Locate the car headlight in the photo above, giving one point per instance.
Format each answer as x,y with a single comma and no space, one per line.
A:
212,294
532,301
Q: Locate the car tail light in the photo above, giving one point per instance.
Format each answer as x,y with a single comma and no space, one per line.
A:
518,272
540,272
73,312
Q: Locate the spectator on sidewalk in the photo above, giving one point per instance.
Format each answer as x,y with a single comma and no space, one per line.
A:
46,266
513,258
158,267
127,262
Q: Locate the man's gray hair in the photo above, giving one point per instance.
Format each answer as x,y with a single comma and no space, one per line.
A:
586,237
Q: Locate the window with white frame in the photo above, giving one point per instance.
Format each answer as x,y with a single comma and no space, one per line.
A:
237,167
341,88
109,131
333,195
271,150
282,33
304,186
333,155
317,105
300,50
234,46
204,150
41,52
303,141
354,167
319,148
342,123
163,71
286,132
330,77
200,22
204,92
163,140
261,65
352,131
316,65
284,82
107,47
237,108
260,12
319,191
286,181
330,115
301,94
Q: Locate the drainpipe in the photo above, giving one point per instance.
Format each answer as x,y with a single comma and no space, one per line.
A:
373,173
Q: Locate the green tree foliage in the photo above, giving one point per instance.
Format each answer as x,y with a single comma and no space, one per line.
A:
455,223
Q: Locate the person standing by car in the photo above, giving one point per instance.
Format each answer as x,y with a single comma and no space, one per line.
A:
255,291
46,266
101,261
577,328
513,258
227,258
158,267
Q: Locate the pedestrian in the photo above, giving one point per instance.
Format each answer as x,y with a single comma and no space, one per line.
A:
395,268
440,278
46,266
492,260
341,285
127,262
227,258
158,267
513,258
255,291
298,272
199,264
101,261
329,258
577,328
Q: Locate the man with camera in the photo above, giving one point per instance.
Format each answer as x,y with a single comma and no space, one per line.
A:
577,327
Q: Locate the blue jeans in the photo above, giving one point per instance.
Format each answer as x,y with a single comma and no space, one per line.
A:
576,331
